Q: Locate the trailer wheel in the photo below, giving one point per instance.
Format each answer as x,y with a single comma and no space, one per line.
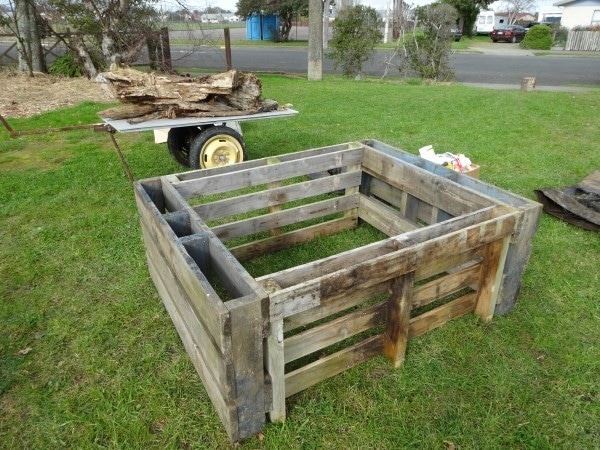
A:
215,147
179,142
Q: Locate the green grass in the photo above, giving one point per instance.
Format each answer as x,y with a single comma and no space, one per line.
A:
90,359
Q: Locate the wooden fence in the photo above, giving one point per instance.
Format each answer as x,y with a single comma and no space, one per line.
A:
583,41
51,47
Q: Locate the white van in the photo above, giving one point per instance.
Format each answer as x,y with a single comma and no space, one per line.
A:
488,20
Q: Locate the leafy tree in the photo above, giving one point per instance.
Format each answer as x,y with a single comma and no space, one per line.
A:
106,31
356,31
428,51
468,11
285,9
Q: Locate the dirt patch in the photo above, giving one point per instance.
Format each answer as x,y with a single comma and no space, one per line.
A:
25,96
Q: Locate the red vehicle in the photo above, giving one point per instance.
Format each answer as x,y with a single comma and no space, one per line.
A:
511,33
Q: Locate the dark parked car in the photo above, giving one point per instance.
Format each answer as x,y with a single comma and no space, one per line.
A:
456,34
532,24
510,33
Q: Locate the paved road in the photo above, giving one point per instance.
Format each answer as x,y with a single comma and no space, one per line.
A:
500,65
506,67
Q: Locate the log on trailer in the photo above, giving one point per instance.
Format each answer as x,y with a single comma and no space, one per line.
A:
151,96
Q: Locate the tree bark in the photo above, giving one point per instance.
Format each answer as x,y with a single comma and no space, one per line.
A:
29,42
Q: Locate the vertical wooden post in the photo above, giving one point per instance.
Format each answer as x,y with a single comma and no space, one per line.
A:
273,185
395,338
247,358
275,367
227,48
492,269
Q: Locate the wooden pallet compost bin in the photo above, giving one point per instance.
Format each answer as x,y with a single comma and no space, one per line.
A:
256,340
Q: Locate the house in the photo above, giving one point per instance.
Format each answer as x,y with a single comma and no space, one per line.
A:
579,13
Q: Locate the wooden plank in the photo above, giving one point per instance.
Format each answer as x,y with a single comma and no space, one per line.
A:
436,191
445,286
304,272
230,272
289,216
275,367
337,330
266,174
247,331
290,301
271,244
253,163
356,168
395,338
520,248
218,393
365,273
276,196
384,218
173,200
210,308
440,315
333,305
492,267
329,366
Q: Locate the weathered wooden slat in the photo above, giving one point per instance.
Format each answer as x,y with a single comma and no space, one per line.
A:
285,240
248,316
447,285
329,366
337,330
522,240
265,174
333,305
440,315
179,302
364,273
218,393
275,367
422,295
492,267
253,163
231,273
173,200
384,218
210,309
304,272
289,216
395,338
435,191
276,196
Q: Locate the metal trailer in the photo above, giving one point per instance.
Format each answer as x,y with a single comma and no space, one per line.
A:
201,143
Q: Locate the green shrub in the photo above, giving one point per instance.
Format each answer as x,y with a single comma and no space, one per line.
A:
539,37
355,34
67,65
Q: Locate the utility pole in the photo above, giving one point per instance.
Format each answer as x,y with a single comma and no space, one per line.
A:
315,40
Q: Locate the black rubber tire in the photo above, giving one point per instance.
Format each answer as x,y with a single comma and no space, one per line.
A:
216,147
179,142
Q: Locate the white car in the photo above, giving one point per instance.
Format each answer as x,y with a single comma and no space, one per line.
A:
234,19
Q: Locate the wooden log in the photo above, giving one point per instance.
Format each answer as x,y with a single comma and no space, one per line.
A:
151,96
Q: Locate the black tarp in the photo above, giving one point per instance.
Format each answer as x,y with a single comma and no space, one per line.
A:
578,205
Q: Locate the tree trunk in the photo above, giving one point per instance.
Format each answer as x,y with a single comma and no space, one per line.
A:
29,43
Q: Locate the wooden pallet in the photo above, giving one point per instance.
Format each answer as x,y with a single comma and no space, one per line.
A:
257,340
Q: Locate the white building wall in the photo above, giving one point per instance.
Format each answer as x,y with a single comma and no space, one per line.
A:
578,16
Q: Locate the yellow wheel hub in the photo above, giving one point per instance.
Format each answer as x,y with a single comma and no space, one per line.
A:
221,150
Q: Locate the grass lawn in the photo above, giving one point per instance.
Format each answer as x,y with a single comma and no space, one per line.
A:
90,359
